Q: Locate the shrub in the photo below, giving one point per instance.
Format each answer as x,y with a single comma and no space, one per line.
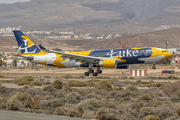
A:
3,103
61,111
178,111
170,88
104,85
56,102
89,83
152,117
68,77
172,77
74,113
107,114
132,88
57,84
47,77
48,88
167,110
118,88
90,104
145,111
24,80
2,89
73,97
88,114
35,104
124,99
18,100
37,83
145,97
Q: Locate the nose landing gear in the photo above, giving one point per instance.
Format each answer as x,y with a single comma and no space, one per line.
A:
154,67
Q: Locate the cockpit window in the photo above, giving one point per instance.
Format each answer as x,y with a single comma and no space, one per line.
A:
164,51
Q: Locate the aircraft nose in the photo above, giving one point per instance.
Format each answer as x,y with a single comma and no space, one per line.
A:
168,55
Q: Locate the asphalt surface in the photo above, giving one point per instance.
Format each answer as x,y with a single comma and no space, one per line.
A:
11,115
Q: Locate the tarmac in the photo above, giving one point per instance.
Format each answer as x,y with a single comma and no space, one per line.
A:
11,115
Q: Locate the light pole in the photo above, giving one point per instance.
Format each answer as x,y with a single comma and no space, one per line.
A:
166,45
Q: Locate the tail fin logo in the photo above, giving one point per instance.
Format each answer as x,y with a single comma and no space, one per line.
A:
27,46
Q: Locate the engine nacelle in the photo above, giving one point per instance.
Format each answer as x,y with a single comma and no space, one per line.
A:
108,63
123,67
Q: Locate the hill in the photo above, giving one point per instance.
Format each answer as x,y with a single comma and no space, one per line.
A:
87,16
59,13
152,39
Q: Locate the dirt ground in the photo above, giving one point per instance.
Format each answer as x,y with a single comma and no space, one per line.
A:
82,70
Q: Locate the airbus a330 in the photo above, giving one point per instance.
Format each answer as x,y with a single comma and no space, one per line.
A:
117,58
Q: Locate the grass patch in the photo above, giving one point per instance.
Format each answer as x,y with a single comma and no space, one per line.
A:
173,77
57,84
37,83
104,85
68,77
27,80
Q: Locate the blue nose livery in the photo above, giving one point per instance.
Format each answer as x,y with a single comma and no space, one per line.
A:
117,58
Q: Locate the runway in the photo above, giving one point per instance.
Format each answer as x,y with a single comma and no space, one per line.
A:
11,115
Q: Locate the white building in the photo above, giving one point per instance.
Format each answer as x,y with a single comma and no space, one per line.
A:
174,50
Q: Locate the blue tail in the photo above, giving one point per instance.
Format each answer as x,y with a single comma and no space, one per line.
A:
26,46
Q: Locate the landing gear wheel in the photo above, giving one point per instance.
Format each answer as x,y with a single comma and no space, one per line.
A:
95,74
86,74
154,67
91,71
99,71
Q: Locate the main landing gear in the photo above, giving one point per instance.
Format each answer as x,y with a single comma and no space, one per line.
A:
154,67
92,71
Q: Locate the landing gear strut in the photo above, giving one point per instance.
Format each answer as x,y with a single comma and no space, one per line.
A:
154,67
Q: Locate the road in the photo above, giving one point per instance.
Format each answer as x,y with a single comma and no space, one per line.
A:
11,115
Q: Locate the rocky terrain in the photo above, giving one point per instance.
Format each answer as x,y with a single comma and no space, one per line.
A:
100,16
94,99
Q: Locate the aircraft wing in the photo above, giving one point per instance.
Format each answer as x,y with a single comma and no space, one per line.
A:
78,58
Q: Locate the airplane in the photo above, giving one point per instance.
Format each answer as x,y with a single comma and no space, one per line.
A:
117,58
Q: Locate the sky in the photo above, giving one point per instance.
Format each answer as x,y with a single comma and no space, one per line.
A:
13,1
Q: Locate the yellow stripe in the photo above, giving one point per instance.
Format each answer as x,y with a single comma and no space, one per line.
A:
40,53
156,52
58,61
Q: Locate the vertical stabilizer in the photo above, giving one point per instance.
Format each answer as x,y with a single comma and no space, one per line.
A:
26,46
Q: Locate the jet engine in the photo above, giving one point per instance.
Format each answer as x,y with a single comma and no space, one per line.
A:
108,63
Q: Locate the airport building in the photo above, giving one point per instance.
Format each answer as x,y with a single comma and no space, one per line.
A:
174,50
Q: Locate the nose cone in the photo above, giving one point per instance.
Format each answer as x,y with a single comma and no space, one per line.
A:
167,55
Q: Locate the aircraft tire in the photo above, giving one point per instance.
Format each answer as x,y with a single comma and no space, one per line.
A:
154,67
99,71
95,74
86,74
91,71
